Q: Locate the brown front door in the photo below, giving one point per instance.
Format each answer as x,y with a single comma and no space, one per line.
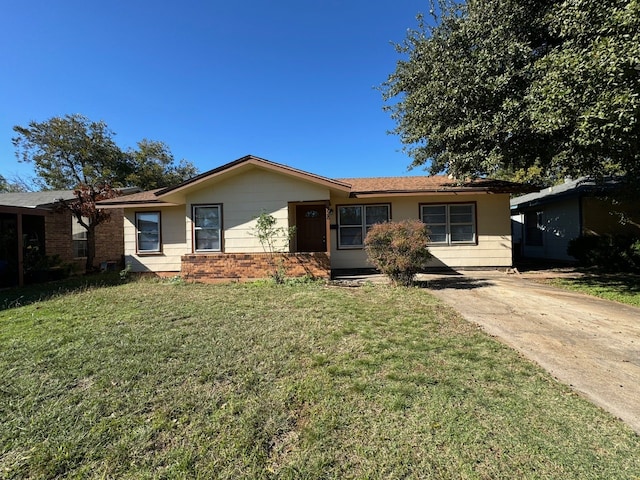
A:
311,228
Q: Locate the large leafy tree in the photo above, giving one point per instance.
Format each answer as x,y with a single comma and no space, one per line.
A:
76,153
534,90
73,152
152,165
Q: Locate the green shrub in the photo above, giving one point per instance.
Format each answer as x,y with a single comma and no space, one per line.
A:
607,252
399,249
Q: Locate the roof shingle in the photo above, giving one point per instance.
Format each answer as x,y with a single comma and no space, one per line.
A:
425,184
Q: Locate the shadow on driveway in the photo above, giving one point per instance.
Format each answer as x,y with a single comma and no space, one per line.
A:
454,282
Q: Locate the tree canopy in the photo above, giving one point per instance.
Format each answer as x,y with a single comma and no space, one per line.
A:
532,90
152,166
76,153
73,150
70,151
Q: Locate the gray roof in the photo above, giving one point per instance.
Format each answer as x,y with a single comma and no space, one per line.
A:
35,199
46,198
567,189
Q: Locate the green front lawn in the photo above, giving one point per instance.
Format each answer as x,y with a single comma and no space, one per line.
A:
620,287
166,380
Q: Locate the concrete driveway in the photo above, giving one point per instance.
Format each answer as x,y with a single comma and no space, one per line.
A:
590,344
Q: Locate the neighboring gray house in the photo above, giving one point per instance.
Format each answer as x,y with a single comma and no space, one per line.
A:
543,223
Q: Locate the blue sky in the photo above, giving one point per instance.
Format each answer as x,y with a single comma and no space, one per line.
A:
290,81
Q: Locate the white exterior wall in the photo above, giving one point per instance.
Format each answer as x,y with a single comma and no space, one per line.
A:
174,244
493,230
244,197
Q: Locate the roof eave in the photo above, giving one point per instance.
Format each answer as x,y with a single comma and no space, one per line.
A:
141,204
14,210
258,162
413,193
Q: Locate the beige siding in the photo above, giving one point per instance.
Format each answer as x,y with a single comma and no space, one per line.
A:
174,242
493,230
244,197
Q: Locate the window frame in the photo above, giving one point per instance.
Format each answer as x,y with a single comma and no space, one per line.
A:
195,228
79,241
448,242
138,232
364,226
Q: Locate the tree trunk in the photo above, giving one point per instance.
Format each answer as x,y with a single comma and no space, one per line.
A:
91,248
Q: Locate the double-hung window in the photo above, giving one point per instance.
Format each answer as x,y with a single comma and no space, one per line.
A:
450,224
148,232
354,221
207,224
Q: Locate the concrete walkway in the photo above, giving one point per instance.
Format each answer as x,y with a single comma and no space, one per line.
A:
593,345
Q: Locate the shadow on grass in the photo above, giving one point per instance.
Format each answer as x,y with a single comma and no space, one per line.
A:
21,296
625,283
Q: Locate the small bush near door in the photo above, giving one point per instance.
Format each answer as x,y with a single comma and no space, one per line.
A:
399,249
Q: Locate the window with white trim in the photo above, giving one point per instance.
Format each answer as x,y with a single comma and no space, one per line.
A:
451,223
354,221
148,232
207,225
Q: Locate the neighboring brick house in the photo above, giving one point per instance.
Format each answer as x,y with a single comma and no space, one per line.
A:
49,230
203,229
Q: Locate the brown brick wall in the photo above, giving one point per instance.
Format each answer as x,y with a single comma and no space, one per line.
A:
57,228
246,266
109,238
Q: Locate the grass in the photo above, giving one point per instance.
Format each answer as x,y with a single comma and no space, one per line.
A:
619,287
167,380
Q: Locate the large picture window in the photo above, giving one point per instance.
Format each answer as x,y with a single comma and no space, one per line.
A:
148,232
354,221
450,224
207,228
